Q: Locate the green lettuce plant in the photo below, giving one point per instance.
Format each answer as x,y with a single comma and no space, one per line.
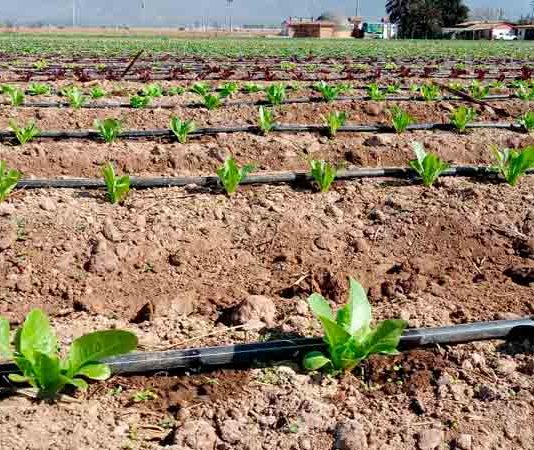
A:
39,89
175,90
478,91
251,88
231,175
375,93
109,129
75,97
329,92
140,101
276,93
117,187
400,119
429,166
512,164
211,101
182,128
8,180
349,335
461,117
152,90
24,133
323,174
430,92
16,95
333,121
97,92
228,89
265,120
201,88
527,121
35,352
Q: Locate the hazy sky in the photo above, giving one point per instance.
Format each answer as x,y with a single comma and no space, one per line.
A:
169,12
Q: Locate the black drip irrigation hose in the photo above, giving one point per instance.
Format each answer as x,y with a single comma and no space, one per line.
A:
267,178
210,131
300,100
239,355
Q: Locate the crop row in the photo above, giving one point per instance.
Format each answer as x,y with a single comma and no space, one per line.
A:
275,94
62,44
265,72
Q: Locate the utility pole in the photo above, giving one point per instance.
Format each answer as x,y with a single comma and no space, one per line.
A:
73,13
229,3
357,8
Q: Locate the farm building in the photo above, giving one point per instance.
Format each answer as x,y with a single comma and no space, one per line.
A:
326,26
525,32
488,30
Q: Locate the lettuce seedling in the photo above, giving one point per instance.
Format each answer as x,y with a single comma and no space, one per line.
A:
97,92
251,88
527,121
349,335
393,88
329,93
375,93
75,97
201,89
430,92
429,166
276,93
265,120
228,89
152,90
16,95
525,92
230,175
8,180
334,120
513,164
175,90
478,91
211,101
401,119
25,133
117,187
182,129
35,352
323,174
462,116
39,89
109,129
139,101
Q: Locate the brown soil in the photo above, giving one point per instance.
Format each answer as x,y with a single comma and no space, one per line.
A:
450,254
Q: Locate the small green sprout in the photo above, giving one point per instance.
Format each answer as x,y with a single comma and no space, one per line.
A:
144,395
117,187
75,97
525,92
375,93
428,165
39,89
42,64
329,93
228,89
349,335
97,92
334,120
513,164
182,129
477,90
251,88
175,90
392,88
401,119
25,133
430,92
211,101
230,175
323,174
35,352
109,129
140,101
461,117
16,95
527,121
276,93
8,180
152,90
201,89
265,120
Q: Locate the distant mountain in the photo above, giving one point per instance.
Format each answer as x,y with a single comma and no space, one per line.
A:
182,12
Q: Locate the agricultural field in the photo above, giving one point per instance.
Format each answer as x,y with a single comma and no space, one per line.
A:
199,197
